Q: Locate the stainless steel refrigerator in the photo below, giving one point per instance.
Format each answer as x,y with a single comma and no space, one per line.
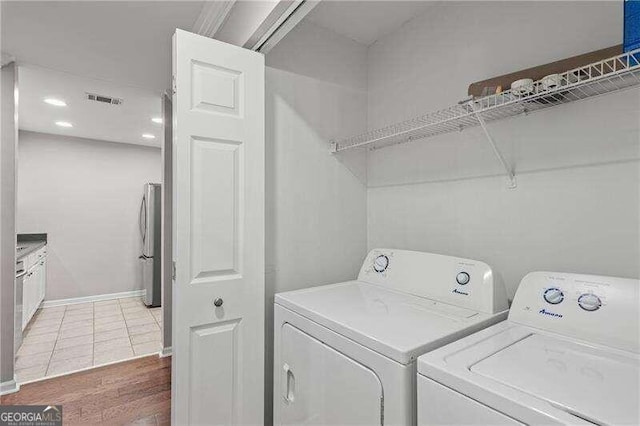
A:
150,228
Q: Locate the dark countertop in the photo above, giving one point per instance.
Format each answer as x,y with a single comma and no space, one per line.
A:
28,243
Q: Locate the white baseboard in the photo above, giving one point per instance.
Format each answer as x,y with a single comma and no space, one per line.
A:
8,387
165,352
97,298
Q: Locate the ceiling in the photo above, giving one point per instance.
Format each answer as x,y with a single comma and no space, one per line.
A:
128,42
365,21
123,49
123,123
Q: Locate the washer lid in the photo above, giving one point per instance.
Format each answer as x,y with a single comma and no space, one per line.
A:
588,382
539,378
395,324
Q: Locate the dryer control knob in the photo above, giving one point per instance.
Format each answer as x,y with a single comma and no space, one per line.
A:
463,278
553,296
589,302
381,263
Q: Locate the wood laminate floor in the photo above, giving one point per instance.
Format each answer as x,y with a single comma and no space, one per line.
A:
130,392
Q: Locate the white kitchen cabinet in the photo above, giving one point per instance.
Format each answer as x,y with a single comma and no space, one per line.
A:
43,280
41,268
34,284
28,297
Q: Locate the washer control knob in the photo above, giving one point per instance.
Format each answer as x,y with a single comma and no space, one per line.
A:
381,263
589,302
463,278
553,295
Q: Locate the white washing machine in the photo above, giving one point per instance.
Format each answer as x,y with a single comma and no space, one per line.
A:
568,354
345,354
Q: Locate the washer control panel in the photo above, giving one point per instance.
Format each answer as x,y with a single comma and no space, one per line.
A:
589,307
557,295
588,301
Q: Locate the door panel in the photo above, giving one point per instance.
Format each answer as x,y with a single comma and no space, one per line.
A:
41,278
217,169
321,386
221,341
218,214
217,89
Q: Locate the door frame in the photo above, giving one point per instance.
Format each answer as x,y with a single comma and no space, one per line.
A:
166,274
8,236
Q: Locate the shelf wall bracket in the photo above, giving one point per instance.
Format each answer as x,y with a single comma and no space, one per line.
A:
511,177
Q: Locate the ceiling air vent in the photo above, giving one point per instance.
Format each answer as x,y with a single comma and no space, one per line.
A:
104,99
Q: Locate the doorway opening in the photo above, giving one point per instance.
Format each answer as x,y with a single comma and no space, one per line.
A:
89,223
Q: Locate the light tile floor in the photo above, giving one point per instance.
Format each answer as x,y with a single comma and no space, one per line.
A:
67,338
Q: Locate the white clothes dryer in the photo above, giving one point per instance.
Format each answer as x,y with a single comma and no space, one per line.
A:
345,354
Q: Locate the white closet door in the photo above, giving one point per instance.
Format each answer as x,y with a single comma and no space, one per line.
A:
218,293
321,386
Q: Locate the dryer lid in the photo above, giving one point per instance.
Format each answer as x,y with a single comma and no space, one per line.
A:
398,325
594,384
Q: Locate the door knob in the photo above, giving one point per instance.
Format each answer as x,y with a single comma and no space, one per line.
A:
218,302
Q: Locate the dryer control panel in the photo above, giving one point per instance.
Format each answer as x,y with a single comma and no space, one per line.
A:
462,282
594,308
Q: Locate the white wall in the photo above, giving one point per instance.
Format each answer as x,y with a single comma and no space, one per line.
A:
576,207
316,203
85,194
574,220
429,62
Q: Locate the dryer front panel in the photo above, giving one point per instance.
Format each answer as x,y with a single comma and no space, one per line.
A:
321,386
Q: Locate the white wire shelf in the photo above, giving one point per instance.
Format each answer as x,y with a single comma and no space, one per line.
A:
599,78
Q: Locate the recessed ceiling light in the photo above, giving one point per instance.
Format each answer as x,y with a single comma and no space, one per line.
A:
64,124
157,120
55,102
148,136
